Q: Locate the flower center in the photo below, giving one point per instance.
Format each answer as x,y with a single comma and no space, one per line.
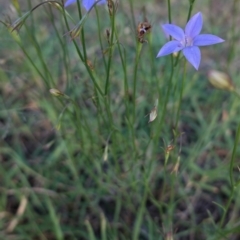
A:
187,41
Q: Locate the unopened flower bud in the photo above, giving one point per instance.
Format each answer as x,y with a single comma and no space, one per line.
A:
175,54
153,113
56,92
105,154
220,80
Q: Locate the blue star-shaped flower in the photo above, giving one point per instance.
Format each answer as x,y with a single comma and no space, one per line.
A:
189,40
86,3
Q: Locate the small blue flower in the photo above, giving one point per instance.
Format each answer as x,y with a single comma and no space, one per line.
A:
189,40
86,3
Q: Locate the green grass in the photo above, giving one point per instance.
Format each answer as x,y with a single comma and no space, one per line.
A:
87,164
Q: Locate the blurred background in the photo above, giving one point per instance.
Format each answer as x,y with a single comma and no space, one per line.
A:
66,173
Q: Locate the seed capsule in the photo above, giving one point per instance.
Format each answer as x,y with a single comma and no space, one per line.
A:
142,29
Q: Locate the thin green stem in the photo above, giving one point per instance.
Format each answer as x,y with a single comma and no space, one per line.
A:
226,208
140,212
233,157
83,59
47,72
181,94
169,11
82,35
100,39
159,127
190,9
137,58
34,65
62,44
132,14
110,53
122,54
124,67
78,121
232,39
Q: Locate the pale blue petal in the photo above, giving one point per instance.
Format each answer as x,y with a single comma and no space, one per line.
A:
193,55
194,25
206,39
170,47
69,2
88,4
174,31
102,2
